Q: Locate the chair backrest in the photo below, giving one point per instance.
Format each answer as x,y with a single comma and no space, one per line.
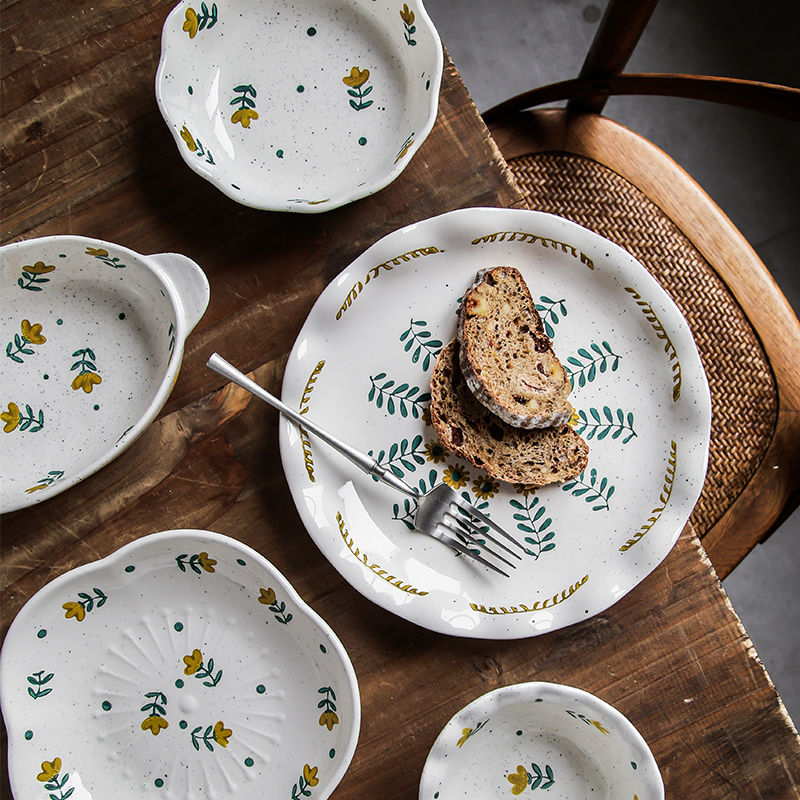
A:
602,76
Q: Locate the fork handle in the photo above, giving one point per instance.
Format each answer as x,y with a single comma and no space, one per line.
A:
363,461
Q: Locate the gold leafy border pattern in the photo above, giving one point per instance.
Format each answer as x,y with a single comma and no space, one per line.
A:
666,493
669,348
376,568
539,605
532,238
305,441
387,265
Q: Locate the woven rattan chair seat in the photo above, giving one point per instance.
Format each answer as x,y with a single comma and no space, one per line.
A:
743,393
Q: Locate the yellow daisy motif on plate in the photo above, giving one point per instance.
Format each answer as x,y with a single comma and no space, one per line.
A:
456,476
434,451
485,487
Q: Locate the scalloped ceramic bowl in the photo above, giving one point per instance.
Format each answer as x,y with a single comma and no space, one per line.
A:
184,665
299,106
93,336
555,740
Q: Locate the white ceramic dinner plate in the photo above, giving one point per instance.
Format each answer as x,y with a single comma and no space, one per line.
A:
93,336
558,741
361,367
299,106
182,666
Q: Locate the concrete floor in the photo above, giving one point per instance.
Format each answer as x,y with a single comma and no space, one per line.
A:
748,163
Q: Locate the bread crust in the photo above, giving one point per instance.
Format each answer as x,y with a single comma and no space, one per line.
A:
532,456
505,355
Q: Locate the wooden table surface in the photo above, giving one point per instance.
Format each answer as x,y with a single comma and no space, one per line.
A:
85,151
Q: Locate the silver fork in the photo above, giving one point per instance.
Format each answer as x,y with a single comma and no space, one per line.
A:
442,513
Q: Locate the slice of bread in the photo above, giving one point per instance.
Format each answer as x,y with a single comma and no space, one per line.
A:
506,357
468,429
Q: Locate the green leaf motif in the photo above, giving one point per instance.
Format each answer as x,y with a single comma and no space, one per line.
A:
540,779
549,310
594,425
529,515
404,398
586,366
591,492
402,457
419,340
37,681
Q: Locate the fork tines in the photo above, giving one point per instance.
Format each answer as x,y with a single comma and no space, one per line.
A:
463,527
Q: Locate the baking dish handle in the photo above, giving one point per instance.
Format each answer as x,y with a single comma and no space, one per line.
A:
190,283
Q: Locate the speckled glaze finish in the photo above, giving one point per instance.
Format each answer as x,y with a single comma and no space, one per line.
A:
361,368
299,106
93,335
182,666
550,740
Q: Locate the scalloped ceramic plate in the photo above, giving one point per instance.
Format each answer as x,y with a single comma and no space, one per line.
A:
93,336
361,368
182,666
300,106
540,736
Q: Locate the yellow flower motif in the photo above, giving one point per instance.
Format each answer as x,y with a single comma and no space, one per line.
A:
329,719
191,23
426,416
86,381
518,780
267,597
434,451
205,562
39,268
10,417
154,724
456,476
74,609
96,251
574,419
310,775
484,487
188,138
222,734
244,115
407,15
357,77
193,662
599,726
465,734
526,489
49,770
33,333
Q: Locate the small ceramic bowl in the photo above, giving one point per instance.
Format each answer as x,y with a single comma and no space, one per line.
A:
92,335
537,737
182,666
303,105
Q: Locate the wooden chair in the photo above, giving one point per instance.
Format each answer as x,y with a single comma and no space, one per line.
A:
578,164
